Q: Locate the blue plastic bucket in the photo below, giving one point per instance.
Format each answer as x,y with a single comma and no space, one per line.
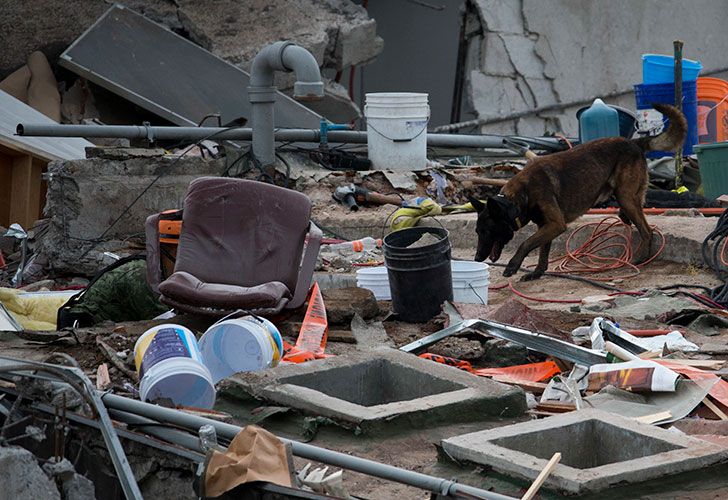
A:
664,93
657,68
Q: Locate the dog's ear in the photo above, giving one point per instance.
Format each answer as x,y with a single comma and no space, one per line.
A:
478,205
495,208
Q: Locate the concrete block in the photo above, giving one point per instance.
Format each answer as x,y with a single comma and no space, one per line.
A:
530,126
496,61
84,197
495,96
343,303
598,450
500,16
357,44
374,388
79,488
522,52
22,478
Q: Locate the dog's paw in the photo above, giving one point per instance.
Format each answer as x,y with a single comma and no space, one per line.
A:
532,276
510,270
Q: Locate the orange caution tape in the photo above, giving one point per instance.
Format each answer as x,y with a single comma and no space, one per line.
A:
311,340
457,363
532,372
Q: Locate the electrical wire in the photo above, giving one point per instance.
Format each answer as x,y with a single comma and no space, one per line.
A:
713,250
596,254
162,172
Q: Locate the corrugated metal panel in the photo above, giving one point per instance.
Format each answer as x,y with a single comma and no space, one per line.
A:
168,75
48,148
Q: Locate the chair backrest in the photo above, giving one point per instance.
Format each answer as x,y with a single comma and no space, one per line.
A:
239,232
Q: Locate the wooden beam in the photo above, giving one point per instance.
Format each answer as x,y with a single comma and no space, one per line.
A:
6,181
25,190
707,402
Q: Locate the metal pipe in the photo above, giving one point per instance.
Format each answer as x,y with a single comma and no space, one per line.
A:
281,135
286,57
307,451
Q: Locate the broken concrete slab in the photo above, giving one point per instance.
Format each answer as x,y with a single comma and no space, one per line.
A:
369,335
343,303
378,387
76,190
340,33
598,450
22,477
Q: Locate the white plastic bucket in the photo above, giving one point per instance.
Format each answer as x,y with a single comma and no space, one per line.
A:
397,130
170,366
470,281
245,344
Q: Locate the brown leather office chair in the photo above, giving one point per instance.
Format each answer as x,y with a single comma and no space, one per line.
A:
240,247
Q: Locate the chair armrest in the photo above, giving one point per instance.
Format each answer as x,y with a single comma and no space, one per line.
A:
308,263
154,261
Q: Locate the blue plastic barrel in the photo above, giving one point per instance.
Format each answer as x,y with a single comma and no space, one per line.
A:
657,68
664,93
598,121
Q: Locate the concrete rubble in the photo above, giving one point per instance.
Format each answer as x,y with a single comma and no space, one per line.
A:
175,307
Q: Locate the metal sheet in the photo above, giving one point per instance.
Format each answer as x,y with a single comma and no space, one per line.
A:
168,75
534,341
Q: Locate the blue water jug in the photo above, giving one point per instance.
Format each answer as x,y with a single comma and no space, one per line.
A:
598,121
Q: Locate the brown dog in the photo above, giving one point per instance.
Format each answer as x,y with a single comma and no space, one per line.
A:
554,190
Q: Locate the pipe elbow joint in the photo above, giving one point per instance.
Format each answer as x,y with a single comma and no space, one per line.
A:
308,84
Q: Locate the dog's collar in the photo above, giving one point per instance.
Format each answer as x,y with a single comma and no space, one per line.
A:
512,212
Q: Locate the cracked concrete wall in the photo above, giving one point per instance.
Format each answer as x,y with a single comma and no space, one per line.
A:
542,60
337,32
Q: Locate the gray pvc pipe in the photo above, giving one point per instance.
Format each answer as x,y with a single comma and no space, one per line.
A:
246,134
307,451
279,56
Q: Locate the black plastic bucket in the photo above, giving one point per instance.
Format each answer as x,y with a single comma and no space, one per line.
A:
420,278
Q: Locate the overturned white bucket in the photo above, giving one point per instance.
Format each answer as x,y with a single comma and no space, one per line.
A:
170,366
397,130
470,281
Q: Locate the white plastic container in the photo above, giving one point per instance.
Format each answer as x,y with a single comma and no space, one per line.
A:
470,281
397,130
245,344
170,366
376,280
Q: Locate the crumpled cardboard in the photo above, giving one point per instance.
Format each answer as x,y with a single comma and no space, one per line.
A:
254,455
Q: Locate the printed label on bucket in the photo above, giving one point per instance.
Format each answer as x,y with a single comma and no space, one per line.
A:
650,121
164,344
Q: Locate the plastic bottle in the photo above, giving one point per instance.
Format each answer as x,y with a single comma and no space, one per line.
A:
364,244
208,438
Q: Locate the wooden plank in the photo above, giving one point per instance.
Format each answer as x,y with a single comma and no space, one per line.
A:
527,385
24,192
654,417
707,402
6,180
545,473
708,364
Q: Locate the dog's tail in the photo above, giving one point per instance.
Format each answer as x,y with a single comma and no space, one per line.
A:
673,137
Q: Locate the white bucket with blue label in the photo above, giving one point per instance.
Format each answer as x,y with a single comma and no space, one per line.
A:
245,344
171,367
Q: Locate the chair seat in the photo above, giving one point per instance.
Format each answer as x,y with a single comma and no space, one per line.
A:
184,287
